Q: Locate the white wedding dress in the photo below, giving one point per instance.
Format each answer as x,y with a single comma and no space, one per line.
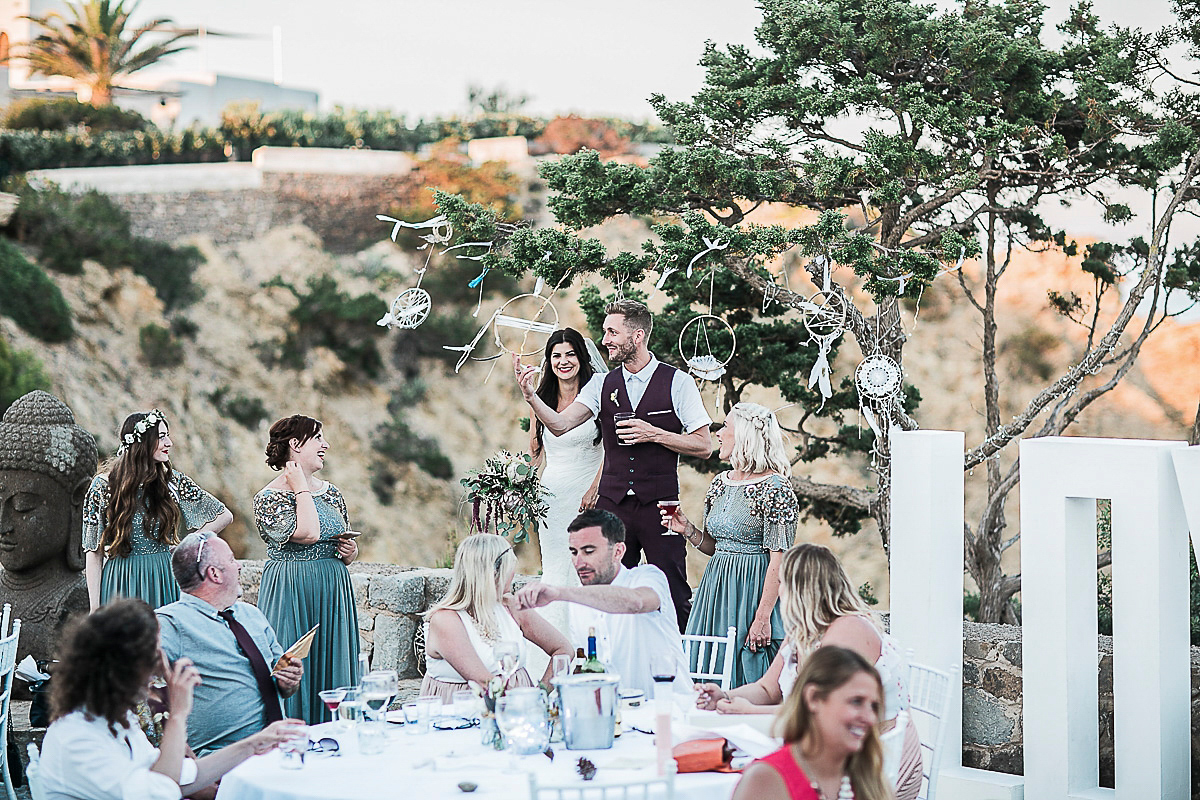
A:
572,462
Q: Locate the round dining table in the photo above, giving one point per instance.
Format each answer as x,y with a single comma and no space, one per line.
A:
432,766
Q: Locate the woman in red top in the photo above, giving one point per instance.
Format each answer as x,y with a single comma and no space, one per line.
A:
831,747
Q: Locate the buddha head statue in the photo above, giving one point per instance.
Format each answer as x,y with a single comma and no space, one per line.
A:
46,464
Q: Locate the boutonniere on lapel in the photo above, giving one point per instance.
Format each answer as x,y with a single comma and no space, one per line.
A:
613,397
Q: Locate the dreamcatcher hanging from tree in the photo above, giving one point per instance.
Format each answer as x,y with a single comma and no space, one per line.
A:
412,306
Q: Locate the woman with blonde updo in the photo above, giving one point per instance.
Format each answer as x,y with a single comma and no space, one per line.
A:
821,609
831,745
132,514
750,515
464,627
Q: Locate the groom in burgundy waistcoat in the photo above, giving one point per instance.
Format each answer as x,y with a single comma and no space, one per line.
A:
641,454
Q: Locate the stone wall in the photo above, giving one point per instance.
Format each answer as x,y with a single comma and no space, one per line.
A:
390,600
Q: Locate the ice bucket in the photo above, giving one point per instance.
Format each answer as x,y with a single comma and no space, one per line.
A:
588,705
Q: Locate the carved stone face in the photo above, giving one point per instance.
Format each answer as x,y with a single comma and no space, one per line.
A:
36,519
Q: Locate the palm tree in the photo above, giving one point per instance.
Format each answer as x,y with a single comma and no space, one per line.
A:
95,46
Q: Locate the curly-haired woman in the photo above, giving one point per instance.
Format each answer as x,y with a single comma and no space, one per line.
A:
304,522
94,749
132,514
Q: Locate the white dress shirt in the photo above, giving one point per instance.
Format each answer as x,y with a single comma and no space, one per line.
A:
685,397
625,642
82,760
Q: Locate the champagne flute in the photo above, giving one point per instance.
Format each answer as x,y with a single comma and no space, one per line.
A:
377,693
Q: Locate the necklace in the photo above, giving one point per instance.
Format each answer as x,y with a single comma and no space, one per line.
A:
845,789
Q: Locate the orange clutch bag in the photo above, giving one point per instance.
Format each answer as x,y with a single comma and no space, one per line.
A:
704,755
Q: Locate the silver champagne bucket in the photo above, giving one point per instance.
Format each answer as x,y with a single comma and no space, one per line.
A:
588,706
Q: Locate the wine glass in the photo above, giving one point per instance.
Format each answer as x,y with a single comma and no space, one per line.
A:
378,689
663,668
332,698
508,653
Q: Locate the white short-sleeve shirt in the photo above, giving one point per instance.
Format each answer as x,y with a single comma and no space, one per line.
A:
625,642
685,397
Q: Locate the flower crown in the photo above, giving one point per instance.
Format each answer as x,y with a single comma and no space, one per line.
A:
758,419
144,424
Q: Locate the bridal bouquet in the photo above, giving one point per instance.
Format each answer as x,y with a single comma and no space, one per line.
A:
506,496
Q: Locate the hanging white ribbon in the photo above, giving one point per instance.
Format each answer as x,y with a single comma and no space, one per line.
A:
820,374
710,245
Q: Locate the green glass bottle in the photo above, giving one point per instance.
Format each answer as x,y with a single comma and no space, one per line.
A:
592,664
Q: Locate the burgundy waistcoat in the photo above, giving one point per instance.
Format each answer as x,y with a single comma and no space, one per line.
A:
649,469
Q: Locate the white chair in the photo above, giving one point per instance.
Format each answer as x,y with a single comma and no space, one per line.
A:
8,664
929,690
33,774
651,788
708,651
892,743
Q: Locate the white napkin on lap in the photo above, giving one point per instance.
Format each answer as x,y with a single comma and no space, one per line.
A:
28,671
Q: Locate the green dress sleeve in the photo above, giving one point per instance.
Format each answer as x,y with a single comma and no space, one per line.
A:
198,506
335,498
775,503
95,507
275,515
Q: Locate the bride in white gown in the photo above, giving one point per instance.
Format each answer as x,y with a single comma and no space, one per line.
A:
571,462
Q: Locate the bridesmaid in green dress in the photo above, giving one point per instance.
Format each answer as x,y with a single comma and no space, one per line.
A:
304,522
132,514
750,515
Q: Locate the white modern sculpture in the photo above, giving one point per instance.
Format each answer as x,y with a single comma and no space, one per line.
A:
1061,478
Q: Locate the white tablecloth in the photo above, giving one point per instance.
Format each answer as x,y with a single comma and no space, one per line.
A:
430,768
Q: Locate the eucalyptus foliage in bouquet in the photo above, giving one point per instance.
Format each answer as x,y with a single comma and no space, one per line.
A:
506,496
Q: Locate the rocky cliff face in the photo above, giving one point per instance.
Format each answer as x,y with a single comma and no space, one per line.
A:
474,413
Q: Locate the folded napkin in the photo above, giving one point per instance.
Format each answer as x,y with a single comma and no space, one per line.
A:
28,671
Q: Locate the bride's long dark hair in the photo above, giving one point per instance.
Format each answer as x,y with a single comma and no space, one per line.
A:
548,389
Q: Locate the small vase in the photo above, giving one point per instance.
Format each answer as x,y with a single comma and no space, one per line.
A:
489,732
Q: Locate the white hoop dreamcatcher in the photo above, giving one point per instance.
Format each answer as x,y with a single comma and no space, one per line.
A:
411,307
706,366
879,381
825,322
500,320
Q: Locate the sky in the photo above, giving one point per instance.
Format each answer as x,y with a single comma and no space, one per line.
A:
419,57
596,59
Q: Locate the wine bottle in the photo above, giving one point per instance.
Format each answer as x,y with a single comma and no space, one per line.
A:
579,659
593,663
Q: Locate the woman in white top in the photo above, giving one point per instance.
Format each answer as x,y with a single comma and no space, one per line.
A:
94,749
820,607
477,613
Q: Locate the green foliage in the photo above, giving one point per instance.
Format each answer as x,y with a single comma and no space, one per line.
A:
20,373
65,113
158,347
326,316
867,593
396,443
68,228
247,411
30,298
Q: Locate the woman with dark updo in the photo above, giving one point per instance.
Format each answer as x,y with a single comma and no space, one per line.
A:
94,748
304,522
132,514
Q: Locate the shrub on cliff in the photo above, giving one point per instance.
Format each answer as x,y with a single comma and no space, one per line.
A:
64,113
326,316
30,298
159,347
67,228
20,372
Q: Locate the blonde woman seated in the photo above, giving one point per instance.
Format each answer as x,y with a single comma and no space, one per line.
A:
820,608
831,747
465,630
